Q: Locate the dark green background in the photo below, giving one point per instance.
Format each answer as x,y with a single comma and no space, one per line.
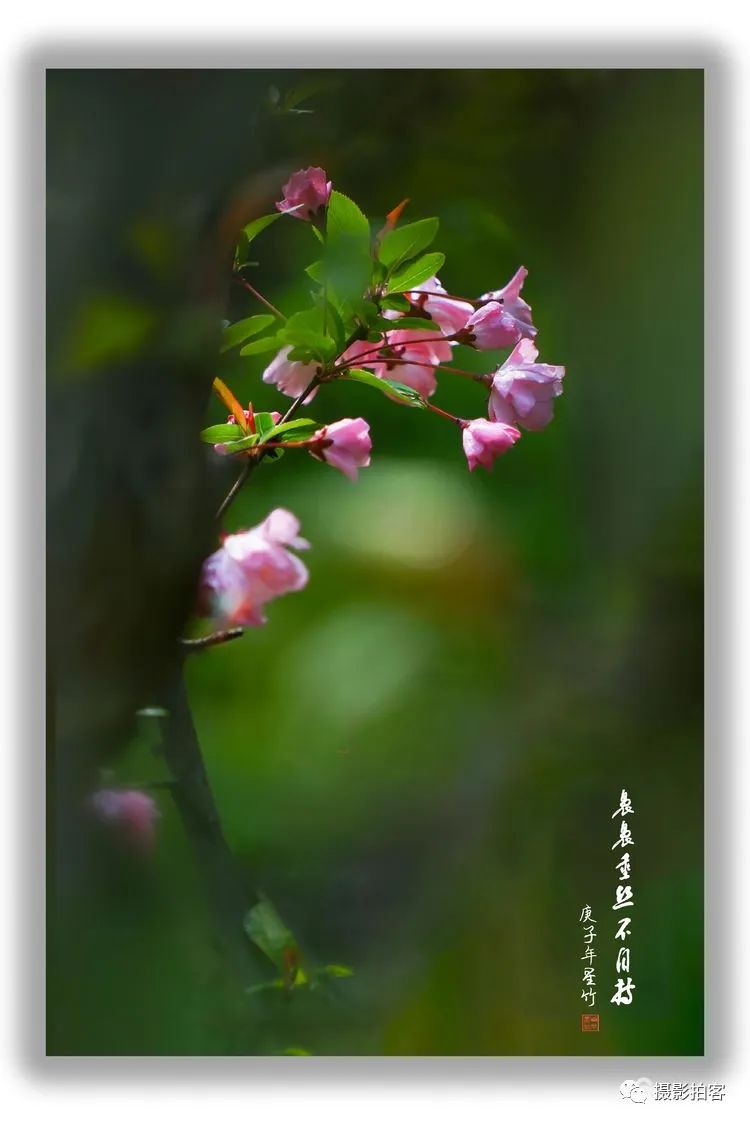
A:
420,753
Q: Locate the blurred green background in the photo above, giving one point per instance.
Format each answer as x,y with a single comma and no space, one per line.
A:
419,756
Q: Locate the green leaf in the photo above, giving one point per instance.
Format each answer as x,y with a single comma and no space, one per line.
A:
243,329
399,392
336,971
228,431
305,330
403,243
413,323
287,430
246,442
345,221
400,304
414,273
316,272
263,422
264,926
348,263
253,229
257,347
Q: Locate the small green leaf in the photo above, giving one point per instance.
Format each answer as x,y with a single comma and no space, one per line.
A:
336,971
246,442
414,273
316,272
264,926
243,329
253,229
403,243
257,347
228,431
288,429
263,422
399,392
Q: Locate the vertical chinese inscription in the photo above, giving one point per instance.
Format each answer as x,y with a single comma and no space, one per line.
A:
624,900
588,994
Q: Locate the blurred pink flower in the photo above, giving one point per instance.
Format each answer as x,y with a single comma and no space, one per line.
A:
449,314
516,310
523,391
253,567
484,441
291,377
132,811
351,445
307,191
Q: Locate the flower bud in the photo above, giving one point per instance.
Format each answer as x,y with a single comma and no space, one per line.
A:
484,441
350,445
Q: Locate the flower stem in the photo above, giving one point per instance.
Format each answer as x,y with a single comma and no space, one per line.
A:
259,296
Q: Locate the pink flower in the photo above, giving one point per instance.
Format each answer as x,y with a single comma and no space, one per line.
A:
416,354
523,391
484,441
490,327
134,812
222,448
351,445
516,310
291,377
307,191
449,314
253,567
370,357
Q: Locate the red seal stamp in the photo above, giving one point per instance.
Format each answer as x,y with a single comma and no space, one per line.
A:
590,1021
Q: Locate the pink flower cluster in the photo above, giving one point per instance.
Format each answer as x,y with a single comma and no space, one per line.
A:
132,812
251,568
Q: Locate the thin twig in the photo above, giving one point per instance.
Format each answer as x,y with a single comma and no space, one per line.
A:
244,474
220,637
259,296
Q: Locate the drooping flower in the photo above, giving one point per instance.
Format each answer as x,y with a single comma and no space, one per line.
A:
306,191
490,327
523,391
253,567
350,446
516,310
448,313
132,811
484,441
290,376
